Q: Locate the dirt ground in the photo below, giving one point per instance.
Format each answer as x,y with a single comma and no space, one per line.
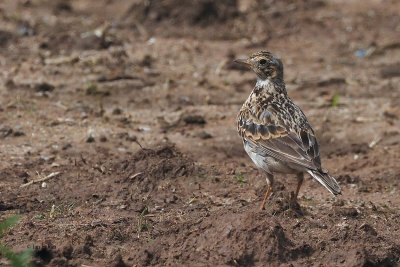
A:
130,107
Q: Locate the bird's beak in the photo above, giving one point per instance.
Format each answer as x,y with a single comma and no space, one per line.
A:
243,62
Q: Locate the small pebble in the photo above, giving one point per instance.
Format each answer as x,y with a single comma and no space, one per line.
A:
24,29
131,138
194,119
5,131
44,87
18,133
117,111
204,135
144,128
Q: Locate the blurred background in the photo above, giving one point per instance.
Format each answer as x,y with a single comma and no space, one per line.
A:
85,84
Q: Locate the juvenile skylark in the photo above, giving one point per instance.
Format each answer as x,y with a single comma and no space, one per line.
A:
276,134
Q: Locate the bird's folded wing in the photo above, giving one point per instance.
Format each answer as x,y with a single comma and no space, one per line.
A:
276,140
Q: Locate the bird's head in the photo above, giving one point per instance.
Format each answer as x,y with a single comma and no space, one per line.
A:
264,64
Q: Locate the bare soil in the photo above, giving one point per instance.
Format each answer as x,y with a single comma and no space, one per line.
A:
132,104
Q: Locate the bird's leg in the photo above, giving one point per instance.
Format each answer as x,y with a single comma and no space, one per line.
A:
300,179
270,182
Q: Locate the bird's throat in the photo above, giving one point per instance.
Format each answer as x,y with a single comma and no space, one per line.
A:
270,87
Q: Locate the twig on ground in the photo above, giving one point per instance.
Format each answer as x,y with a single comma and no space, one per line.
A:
51,175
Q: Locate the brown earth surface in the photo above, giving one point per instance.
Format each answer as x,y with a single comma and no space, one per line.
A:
128,109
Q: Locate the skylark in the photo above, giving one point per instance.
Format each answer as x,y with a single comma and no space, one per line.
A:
276,134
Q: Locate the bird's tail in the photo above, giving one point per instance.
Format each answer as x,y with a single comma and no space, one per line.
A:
326,180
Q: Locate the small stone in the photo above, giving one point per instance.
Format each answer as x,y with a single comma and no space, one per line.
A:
24,29
132,138
44,185
194,119
44,45
46,158
23,174
10,84
117,111
18,133
185,100
84,115
44,87
5,131
391,112
122,135
63,6
90,139
144,128
204,135
66,146
146,61
5,37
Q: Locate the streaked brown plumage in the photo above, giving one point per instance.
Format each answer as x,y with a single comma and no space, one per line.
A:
276,134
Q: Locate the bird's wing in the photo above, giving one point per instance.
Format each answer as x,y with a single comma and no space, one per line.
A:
269,136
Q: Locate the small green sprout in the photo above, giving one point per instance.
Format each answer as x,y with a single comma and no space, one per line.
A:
240,178
21,259
40,217
335,100
141,224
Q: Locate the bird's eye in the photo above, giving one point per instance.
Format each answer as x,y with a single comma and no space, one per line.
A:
262,61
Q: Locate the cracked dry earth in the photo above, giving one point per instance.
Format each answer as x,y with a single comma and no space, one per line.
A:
130,107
